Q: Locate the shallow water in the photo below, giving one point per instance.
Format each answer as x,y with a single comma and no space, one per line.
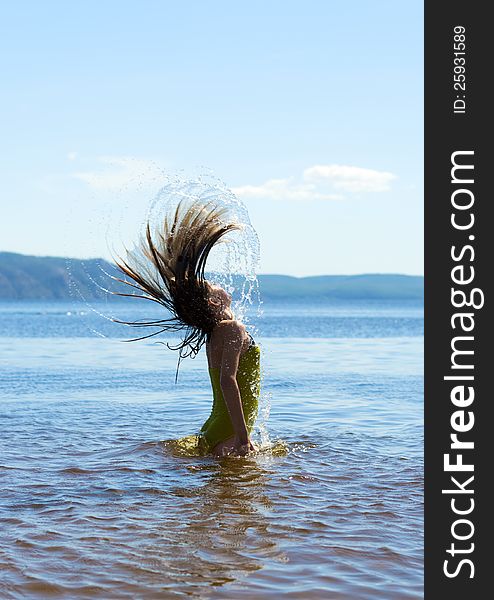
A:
94,503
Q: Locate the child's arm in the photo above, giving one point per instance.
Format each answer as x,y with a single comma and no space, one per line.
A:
233,334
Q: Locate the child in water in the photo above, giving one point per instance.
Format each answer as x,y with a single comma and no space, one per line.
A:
167,267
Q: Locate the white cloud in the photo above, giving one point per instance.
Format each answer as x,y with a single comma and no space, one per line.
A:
284,189
119,171
350,179
320,182
71,155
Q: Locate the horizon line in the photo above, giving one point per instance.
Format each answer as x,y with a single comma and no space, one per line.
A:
257,273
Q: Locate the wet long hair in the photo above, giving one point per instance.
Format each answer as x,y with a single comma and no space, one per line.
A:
167,267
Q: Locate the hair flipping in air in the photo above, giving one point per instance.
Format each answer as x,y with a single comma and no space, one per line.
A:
167,266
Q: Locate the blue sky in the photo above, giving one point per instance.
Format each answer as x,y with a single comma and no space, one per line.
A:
312,112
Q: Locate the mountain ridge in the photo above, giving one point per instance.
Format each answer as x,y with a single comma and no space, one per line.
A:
26,277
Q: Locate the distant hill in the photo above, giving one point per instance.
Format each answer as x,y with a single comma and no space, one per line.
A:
24,277
378,286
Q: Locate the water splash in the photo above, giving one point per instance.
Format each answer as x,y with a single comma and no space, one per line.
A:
190,447
232,265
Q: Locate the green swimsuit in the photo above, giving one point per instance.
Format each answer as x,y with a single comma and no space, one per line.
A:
218,426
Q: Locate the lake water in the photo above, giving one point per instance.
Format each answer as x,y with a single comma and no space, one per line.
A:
94,503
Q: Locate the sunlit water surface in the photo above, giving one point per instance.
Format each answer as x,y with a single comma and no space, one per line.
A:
94,503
